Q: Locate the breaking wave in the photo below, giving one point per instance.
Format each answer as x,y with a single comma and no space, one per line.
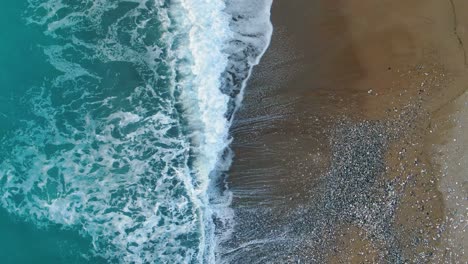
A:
126,142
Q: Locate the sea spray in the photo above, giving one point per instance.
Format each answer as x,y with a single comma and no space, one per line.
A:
124,141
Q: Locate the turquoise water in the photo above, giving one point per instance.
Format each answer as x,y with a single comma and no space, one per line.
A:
114,118
23,65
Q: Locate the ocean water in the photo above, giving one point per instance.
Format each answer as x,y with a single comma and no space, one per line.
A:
114,121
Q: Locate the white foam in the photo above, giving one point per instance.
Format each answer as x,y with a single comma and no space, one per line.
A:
213,40
252,26
122,175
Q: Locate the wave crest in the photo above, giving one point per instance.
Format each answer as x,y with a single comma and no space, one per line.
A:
124,143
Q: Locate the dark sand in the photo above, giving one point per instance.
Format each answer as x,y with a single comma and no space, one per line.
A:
342,144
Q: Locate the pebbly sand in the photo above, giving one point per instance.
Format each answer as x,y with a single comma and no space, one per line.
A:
351,145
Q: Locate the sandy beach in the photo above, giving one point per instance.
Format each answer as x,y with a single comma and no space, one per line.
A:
351,143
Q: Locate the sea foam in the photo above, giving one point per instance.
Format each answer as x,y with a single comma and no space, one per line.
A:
127,142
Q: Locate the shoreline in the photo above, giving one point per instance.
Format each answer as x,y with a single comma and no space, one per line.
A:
371,71
450,152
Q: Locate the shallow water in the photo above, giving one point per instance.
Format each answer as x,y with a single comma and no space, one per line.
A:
114,119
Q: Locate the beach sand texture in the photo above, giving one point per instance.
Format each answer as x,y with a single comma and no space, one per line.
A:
351,143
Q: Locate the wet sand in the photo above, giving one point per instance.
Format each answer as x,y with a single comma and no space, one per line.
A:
346,144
